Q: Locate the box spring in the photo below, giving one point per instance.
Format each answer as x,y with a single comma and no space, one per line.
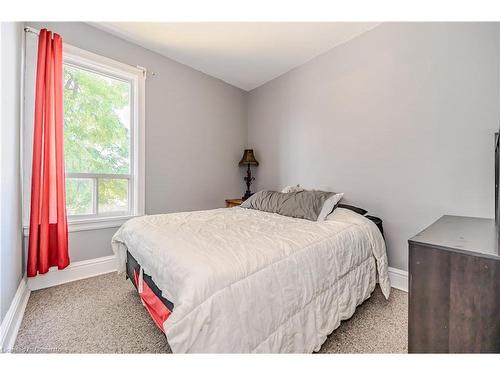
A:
133,266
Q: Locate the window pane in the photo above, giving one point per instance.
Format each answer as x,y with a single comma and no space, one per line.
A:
96,122
79,196
113,195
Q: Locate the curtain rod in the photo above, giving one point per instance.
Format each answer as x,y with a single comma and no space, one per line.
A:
31,30
37,32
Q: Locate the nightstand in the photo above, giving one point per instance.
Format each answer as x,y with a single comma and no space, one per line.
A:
233,202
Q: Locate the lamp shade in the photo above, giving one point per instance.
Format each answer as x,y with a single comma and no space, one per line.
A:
248,158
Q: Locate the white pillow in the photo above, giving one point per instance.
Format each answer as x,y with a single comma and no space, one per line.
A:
292,189
328,206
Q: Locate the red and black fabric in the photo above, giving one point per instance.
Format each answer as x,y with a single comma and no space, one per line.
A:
157,310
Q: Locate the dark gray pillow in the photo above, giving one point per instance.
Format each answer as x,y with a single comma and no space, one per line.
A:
358,210
307,204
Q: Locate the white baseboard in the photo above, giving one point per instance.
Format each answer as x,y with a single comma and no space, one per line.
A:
75,271
12,320
399,278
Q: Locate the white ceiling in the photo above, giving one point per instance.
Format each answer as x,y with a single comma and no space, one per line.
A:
245,55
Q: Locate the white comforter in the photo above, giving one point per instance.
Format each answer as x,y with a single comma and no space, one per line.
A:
243,280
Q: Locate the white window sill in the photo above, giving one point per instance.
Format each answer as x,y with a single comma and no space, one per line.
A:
92,224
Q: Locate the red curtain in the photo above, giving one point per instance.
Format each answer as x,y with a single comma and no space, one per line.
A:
48,240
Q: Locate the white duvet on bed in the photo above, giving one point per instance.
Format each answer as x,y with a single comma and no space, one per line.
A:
243,280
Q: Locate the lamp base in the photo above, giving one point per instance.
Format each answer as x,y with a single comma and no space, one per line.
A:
248,179
247,195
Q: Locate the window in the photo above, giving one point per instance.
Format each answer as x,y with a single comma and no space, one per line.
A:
97,142
100,126
103,138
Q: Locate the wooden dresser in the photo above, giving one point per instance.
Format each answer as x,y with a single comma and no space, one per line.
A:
454,287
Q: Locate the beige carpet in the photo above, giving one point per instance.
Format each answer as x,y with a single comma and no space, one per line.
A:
104,315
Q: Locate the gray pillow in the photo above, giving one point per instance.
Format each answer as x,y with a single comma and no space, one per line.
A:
307,204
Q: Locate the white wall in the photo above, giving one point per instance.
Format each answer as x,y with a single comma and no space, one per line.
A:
195,133
11,260
400,118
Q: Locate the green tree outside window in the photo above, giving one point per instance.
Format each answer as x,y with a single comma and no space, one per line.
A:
96,139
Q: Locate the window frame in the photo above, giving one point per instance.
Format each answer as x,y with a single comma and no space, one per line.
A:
135,76
83,59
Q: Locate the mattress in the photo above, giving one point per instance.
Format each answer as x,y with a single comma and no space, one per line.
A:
247,281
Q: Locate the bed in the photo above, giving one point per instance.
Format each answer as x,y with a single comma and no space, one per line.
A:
242,280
